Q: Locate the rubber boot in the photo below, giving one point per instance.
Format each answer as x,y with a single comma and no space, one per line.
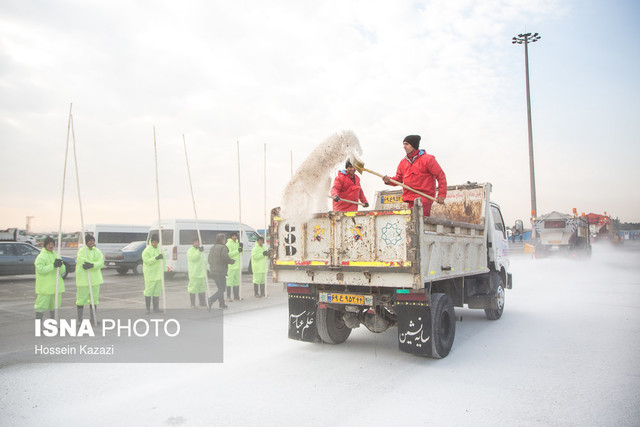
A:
94,322
256,294
52,314
262,290
192,297
156,305
39,315
202,299
80,309
236,293
229,293
147,302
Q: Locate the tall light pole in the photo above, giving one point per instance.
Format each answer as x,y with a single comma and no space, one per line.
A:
526,39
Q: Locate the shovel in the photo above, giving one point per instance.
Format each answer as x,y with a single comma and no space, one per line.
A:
349,201
358,163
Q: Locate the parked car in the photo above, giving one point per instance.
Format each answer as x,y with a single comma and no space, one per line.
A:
127,258
18,258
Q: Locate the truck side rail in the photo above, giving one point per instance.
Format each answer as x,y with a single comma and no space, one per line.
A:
452,224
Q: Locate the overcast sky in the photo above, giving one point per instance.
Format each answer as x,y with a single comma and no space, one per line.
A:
289,74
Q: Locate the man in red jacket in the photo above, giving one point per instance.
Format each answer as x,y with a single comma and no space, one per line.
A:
347,186
420,171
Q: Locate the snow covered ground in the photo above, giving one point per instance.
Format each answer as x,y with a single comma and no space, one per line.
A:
566,352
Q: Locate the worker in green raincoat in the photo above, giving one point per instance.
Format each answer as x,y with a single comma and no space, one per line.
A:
233,274
259,255
47,266
91,260
153,267
197,274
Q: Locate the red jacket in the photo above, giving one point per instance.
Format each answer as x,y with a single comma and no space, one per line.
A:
421,174
346,188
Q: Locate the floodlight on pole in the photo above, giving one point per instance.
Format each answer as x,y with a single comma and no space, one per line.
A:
526,39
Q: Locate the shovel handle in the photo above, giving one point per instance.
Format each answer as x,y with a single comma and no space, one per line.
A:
402,185
348,201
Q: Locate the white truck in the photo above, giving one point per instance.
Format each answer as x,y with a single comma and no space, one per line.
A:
178,235
562,234
393,267
16,235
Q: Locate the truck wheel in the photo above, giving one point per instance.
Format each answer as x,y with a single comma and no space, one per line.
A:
331,327
122,270
137,269
497,285
443,321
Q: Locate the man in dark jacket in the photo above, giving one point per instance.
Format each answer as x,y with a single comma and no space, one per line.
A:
219,260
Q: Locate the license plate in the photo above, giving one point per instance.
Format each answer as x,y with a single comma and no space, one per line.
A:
111,263
392,199
345,299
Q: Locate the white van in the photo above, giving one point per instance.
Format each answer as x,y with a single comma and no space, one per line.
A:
178,235
113,237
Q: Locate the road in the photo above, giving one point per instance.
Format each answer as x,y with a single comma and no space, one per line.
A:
564,353
120,296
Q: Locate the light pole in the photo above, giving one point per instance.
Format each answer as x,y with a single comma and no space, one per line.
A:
526,39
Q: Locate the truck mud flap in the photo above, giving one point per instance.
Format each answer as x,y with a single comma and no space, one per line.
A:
414,326
302,318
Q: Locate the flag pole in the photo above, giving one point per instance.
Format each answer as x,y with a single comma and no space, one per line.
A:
84,243
195,214
266,265
64,176
155,151
239,220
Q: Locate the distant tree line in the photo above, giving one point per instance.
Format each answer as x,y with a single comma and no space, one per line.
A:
626,225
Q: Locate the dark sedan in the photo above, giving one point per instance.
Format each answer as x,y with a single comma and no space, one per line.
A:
127,258
19,257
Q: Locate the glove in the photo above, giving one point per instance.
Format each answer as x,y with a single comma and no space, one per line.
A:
336,198
201,248
240,247
265,253
366,205
159,256
57,263
87,265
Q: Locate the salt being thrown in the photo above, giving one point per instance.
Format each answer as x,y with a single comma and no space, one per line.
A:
307,191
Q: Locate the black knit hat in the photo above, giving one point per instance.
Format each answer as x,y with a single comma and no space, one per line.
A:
48,240
88,237
413,140
348,164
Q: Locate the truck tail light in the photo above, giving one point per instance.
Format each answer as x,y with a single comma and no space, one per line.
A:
175,253
410,295
297,288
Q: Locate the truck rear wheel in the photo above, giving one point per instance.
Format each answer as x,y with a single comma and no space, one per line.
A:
443,321
331,327
497,285
122,270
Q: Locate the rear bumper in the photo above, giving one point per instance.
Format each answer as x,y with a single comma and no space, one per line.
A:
118,264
